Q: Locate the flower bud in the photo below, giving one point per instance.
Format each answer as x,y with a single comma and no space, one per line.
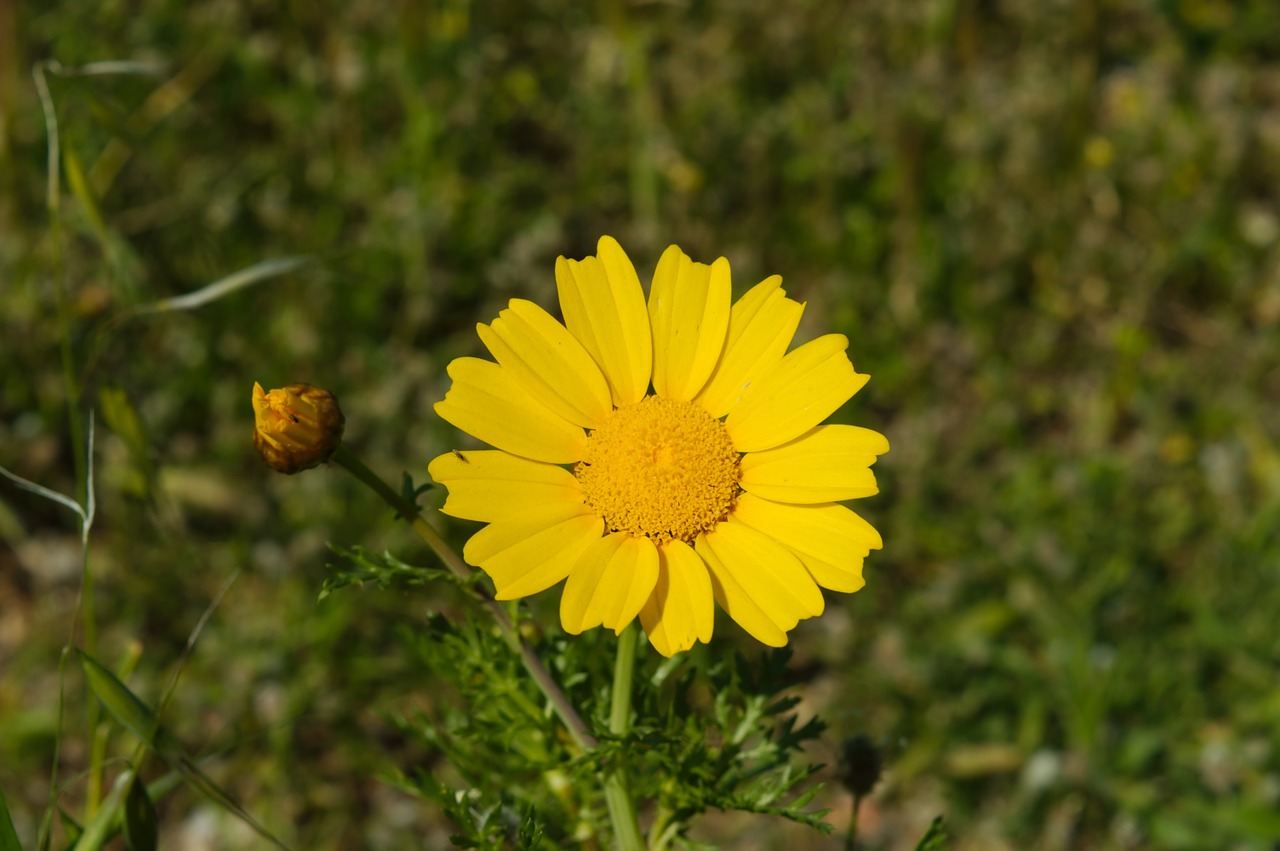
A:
859,764
296,427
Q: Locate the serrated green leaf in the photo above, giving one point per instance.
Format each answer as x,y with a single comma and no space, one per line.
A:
383,570
8,836
140,823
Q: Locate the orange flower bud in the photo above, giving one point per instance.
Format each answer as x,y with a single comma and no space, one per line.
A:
296,427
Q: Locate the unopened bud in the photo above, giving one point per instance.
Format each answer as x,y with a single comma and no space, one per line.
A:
859,766
296,427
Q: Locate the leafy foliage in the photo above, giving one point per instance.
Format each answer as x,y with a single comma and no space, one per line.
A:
720,734
707,735
359,566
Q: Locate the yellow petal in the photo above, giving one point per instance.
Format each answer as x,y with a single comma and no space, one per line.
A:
680,611
793,396
604,308
609,584
548,362
828,464
689,311
490,485
740,605
627,583
830,540
761,325
748,563
488,402
525,558
576,610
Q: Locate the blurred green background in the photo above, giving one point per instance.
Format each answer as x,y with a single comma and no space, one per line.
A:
1049,229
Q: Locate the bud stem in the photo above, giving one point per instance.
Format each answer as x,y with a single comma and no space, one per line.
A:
851,838
541,676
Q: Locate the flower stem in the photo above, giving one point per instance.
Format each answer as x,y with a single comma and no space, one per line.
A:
541,676
851,838
617,792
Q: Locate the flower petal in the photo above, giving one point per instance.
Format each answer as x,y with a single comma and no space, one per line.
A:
757,578
609,584
740,605
828,464
488,402
575,602
761,325
628,583
604,308
491,485
689,312
525,558
830,539
548,362
680,611
797,393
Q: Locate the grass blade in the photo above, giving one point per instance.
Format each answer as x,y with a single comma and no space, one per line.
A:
138,718
140,829
88,203
935,838
8,836
99,831
225,286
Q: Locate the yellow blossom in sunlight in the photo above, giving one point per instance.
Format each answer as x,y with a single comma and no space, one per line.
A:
660,454
297,427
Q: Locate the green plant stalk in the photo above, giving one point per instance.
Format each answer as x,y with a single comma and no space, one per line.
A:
617,792
663,829
53,195
573,722
851,838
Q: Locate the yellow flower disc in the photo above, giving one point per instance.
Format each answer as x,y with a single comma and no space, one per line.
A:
661,468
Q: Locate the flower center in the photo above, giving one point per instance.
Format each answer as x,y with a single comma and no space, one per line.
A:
660,468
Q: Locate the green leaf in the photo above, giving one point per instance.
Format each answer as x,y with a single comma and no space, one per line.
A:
140,823
126,708
122,418
137,717
935,838
100,830
8,836
383,571
88,203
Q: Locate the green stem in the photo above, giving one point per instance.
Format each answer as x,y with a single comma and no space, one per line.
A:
573,722
617,792
79,453
663,829
851,838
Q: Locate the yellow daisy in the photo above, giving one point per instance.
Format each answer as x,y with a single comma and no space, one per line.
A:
661,455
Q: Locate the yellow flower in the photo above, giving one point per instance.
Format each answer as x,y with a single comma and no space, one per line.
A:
296,427
699,470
